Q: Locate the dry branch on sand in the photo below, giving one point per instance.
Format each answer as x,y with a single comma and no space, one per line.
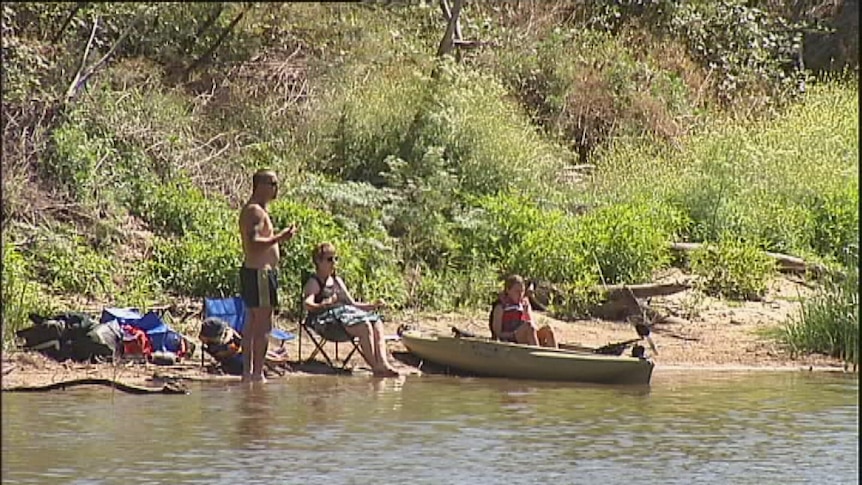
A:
785,262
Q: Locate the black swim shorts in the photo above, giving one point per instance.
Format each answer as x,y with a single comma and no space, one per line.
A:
258,287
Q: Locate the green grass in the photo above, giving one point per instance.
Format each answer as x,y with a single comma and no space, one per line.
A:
829,321
790,182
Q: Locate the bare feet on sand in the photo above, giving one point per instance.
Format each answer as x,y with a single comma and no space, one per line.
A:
386,372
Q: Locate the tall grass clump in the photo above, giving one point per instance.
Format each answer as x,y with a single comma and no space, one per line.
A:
828,322
22,292
430,141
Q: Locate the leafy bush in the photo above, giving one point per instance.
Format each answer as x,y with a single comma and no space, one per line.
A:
198,264
76,160
367,258
750,50
622,243
179,209
732,268
70,265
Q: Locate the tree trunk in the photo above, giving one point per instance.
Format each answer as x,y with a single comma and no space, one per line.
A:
447,43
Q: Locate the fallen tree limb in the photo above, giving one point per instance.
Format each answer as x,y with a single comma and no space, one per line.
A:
786,263
676,335
646,290
168,388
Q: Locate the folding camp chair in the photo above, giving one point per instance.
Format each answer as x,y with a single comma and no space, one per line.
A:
337,336
232,311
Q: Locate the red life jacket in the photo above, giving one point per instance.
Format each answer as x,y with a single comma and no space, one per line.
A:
514,314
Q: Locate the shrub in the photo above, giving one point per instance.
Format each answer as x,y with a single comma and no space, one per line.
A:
732,268
790,183
70,265
368,261
198,264
179,208
76,160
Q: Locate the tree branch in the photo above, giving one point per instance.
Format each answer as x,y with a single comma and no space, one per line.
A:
446,44
210,21
447,13
76,85
206,55
76,80
78,6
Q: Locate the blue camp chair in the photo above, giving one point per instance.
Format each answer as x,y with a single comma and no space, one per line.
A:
232,311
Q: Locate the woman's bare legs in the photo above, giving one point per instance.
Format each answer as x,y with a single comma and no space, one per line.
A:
526,334
381,355
546,336
366,347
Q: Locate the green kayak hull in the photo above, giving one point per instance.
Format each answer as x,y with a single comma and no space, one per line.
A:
502,359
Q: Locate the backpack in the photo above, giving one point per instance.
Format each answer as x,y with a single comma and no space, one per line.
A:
223,344
53,336
45,337
104,341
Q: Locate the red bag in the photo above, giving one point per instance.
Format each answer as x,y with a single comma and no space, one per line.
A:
136,342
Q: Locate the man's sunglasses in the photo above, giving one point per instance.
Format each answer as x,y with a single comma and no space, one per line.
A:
332,259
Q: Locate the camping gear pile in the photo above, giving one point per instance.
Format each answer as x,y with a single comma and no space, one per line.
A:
119,333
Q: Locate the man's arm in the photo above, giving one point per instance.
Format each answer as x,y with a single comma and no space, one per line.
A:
253,219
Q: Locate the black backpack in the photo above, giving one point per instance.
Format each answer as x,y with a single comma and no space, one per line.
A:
102,341
53,336
223,344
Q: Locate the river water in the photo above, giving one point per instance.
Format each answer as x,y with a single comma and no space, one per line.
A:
686,428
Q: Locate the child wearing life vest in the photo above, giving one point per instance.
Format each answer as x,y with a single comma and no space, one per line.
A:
512,318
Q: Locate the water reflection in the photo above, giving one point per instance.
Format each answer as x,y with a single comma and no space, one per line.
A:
716,428
253,416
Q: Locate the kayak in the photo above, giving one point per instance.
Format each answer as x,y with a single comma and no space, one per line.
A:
503,359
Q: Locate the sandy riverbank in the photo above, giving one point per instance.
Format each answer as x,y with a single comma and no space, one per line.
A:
718,336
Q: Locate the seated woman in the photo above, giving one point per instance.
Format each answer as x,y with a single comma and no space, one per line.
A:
333,311
512,318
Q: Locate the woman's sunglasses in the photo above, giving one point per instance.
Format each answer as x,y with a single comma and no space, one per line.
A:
332,259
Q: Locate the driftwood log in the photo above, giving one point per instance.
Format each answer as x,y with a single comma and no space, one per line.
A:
785,262
619,302
168,388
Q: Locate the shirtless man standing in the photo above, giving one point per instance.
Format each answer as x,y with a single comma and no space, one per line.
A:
258,277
